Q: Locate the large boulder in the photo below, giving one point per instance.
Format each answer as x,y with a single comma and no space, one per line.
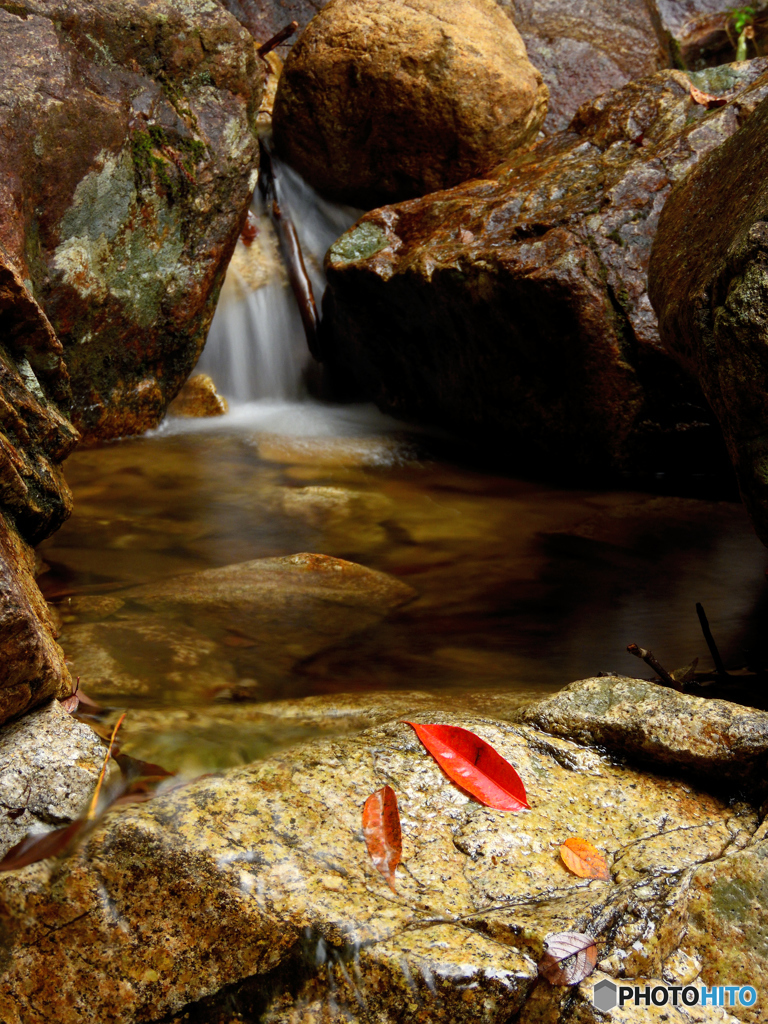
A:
709,286
251,895
125,172
382,100
35,437
515,309
583,49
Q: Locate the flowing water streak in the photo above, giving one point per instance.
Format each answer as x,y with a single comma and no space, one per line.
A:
256,347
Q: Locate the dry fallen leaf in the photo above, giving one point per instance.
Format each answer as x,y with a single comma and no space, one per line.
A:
706,99
570,957
474,765
381,828
584,860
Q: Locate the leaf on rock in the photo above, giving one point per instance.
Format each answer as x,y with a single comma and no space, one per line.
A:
381,828
706,99
39,847
685,675
584,860
474,765
570,957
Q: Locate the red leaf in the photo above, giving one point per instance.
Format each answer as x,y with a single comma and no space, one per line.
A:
584,860
474,765
570,957
36,847
381,828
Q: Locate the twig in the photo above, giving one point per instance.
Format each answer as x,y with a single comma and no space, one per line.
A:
649,660
291,247
95,798
279,37
719,666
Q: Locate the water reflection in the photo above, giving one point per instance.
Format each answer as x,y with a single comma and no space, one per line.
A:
518,585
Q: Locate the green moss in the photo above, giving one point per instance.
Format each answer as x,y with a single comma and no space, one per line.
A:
616,237
153,160
358,243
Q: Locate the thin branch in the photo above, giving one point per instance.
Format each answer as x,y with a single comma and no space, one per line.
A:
277,39
719,666
95,798
651,661
291,248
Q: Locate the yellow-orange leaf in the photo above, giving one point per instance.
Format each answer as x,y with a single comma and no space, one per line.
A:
381,828
584,860
706,99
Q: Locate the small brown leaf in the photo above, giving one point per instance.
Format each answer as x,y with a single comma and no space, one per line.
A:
132,768
685,675
570,957
584,860
706,99
381,828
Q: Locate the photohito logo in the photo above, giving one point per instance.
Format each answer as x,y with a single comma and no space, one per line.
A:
607,994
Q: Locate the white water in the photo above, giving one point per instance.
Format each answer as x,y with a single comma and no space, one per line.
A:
256,348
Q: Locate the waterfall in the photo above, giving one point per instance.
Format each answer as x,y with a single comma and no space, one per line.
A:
256,346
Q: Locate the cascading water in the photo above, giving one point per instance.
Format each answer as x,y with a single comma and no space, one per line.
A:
256,348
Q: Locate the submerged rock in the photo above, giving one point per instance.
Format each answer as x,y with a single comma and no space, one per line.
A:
515,309
712,739
271,856
382,100
709,286
198,398
128,161
273,612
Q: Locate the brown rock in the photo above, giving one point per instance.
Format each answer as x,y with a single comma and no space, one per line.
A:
288,608
125,174
386,99
584,49
514,310
709,286
198,397
35,437
32,662
271,856
713,739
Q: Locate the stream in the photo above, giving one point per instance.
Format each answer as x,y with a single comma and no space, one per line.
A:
518,585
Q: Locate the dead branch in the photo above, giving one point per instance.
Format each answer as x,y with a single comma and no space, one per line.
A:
651,661
710,640
292,254
277,39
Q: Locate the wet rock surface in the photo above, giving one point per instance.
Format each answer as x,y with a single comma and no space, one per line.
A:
382,100
584,49
265,616
709,286
668,731
272,856
198,398
50,765
515,309
32,662
126,173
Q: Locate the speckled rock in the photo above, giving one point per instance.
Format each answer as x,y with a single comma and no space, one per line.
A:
49,765
33,667
383,100
712,739
709,285
272,856
584,49
128,160
198,398
280,610
515,310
